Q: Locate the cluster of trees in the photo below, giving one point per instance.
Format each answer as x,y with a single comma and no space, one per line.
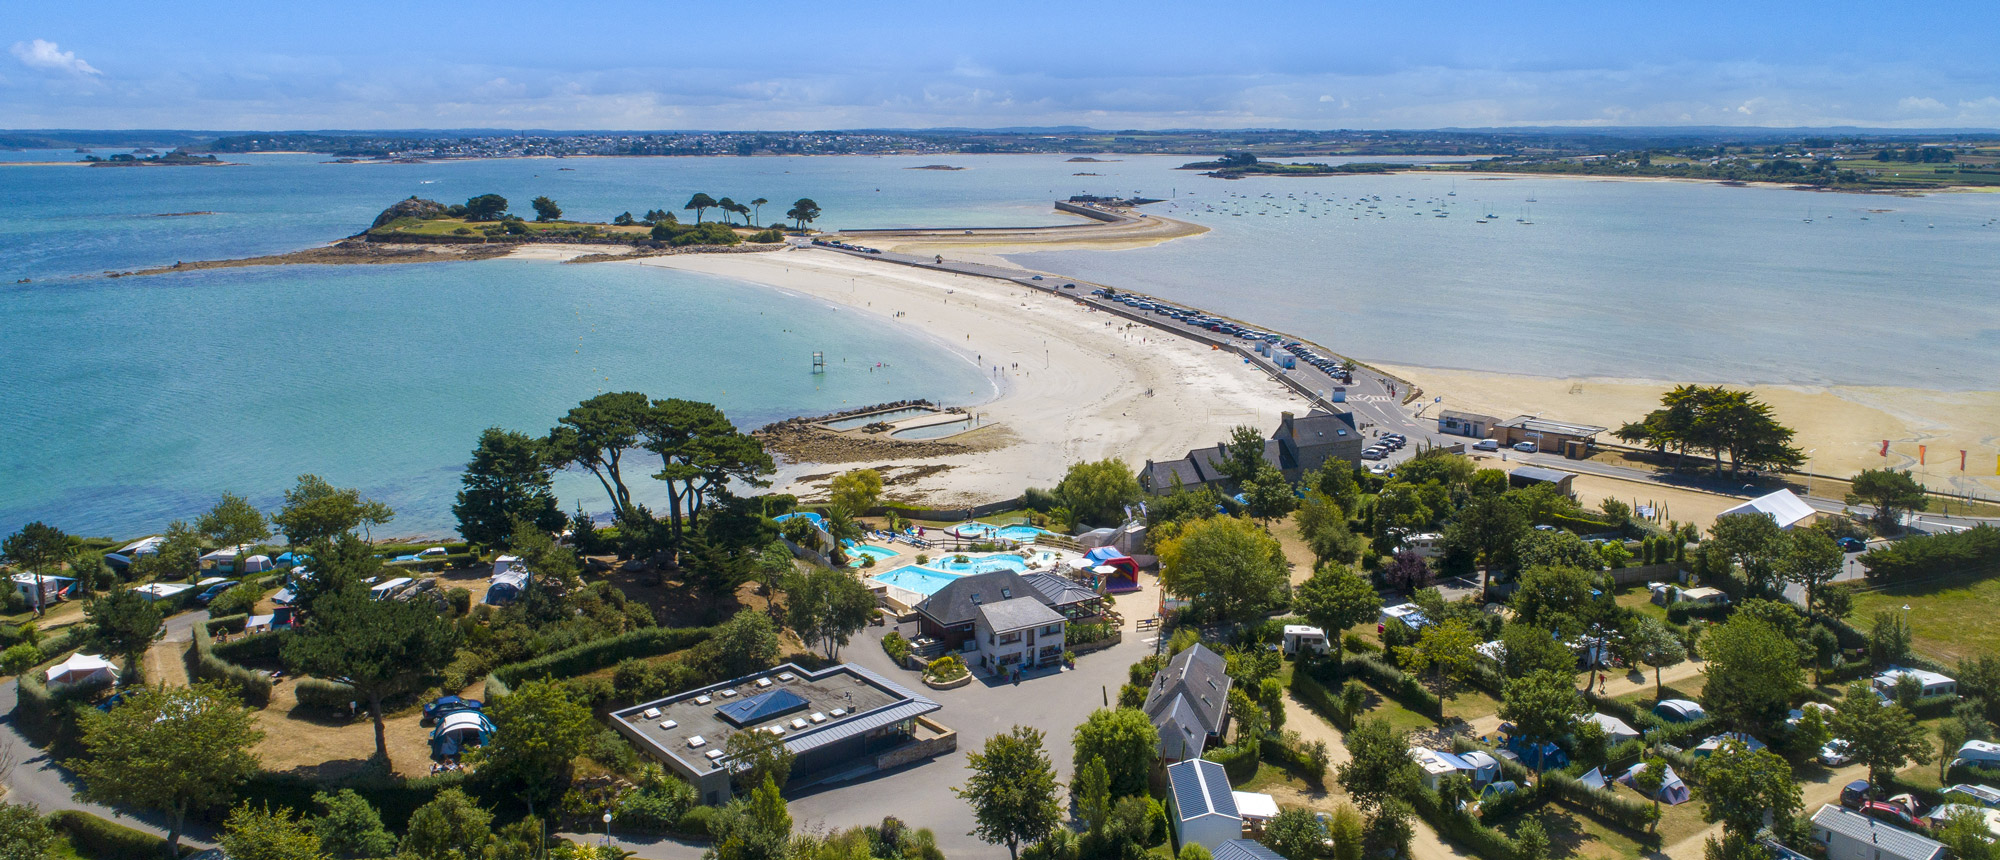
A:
1717,420
701,203
1091,494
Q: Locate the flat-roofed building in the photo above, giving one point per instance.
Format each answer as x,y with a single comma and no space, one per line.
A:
1528,476
1555,437
1470,424
840,717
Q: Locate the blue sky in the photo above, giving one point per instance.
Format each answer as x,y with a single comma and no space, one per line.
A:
783,65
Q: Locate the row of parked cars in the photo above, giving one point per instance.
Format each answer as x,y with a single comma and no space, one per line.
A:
845,246
1198,319
1384,445
1329,366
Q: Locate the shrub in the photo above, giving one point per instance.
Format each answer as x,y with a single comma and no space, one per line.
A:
897,647
1483,840
18,658
236,601
219,623
99,839
766,237
699,822
252,685
324,694
659,806
461,601
1394,683
1625,811
946,668
1081,634
1922,555
592,656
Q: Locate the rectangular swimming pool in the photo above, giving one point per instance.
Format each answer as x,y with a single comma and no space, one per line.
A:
921,580
872,417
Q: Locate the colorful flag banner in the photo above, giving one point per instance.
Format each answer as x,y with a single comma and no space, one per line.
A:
1920,454
1885,447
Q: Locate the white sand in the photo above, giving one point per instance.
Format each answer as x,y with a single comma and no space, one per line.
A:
1090,385
1843,425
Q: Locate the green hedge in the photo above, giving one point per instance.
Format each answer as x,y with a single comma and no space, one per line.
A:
1630,812
254,647
1239,761
98,839
1320,700
1466,830
592,656
324,694
394,798
229,623
205,665
1931,555
1394,683
1580,525
46,716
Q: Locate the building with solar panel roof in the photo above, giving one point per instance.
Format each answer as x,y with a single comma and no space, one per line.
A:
1201,804
833,720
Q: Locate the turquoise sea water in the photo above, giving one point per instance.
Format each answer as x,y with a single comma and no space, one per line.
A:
1658,280
128,402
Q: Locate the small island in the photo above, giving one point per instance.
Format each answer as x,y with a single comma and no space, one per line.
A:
1085,159
176,158
935,167
1237,165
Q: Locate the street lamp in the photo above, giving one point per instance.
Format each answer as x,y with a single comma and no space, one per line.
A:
1809,453
607,828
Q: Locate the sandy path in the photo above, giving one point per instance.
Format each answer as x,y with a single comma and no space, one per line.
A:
166,663
1088,385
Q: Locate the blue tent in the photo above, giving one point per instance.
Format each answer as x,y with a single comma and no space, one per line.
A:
1548,755
459,730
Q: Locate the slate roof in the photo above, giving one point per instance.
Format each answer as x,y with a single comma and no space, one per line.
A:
1201,676
1182,736
1537,473
1058,590
1019,613
1888,840
959,600
1320,427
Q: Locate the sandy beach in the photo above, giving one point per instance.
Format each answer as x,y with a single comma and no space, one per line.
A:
1087,385
1843,425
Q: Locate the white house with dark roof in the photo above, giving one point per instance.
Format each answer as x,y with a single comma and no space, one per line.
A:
1850,835
1201,805
1018,632
1189,702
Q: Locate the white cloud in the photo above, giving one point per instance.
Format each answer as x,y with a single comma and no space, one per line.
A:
1912,104
45,55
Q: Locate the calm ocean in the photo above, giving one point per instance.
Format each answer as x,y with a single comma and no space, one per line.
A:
128,402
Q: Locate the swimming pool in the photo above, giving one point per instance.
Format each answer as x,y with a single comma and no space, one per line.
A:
935,431
815,518
872,417
872,551
988,530
921,580
983,564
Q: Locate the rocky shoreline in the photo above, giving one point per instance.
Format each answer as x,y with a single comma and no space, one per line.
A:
803,440
347,252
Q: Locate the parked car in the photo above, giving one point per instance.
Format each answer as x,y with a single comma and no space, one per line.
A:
1486,445
1848,544
1855,793
1039,277
1892,813
1835,753
1373,454
1526,447
215,591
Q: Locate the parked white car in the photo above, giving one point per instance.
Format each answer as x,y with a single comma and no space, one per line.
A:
1835,753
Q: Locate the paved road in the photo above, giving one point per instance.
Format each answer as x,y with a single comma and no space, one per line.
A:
35,779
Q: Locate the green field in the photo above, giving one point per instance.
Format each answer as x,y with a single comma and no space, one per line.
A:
1948,620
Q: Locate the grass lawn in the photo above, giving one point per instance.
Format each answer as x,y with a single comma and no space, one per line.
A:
1948,619
1400,718
1575,835
1470,704
1685,688
1640,600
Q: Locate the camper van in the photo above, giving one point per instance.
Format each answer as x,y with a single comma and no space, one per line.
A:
389,588
1426,545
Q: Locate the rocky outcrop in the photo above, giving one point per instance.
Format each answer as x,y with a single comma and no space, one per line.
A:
411,208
